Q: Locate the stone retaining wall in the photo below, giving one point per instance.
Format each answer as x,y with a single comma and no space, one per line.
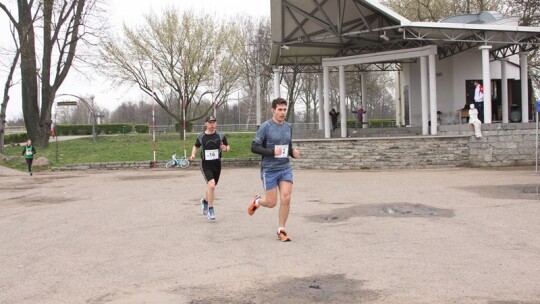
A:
503,148
503,145
229,162
383,153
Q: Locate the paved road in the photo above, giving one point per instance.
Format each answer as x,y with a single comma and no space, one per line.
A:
408,236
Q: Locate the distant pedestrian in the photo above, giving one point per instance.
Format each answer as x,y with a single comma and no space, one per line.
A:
28,153
212,144
479,99
360,111
51,133
334,116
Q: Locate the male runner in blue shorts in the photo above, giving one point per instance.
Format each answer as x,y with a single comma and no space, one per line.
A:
274,142
212,144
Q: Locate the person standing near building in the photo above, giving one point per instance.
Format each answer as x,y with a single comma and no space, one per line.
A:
334,116
273,142
212,144
479,99
28,153
360,111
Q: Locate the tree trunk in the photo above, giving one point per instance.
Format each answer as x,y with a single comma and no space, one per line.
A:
28,72
290,95
37,116
2,126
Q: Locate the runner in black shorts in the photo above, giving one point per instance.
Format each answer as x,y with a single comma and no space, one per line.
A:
211,143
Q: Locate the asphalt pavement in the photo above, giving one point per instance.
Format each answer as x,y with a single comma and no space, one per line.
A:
138,236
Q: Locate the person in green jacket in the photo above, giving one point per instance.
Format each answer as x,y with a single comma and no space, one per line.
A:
28,153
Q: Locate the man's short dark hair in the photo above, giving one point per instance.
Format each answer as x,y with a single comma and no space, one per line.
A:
277,101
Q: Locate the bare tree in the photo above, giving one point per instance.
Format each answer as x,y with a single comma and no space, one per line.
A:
8,84
290,76
64,24
307,88
175,59
252,58
134,112
435,10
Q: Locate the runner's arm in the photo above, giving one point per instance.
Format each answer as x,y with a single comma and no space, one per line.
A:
259,149
291,154
225,145
193,152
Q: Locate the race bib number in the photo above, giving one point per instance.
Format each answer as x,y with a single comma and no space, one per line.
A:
284,151
211,154
28,152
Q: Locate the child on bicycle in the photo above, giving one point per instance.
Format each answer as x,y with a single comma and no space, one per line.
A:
212,143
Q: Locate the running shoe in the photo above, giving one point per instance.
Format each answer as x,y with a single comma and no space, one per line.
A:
252,206
211,214
204,206
282,235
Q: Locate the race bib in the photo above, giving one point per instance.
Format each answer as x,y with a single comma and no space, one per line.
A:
284,151
28,152
211,154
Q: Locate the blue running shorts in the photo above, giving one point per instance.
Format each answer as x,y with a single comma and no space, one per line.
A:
271,179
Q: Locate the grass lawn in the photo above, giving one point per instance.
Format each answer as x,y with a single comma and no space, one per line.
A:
130,147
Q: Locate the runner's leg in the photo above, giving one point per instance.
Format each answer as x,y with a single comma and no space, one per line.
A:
210,192
29,164
270,198
285,190
270,185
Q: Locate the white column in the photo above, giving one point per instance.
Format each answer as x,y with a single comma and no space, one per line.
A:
397,102
504,90
342,101
364,95
326,80
276,83
524,87
321,100
433,94
424,94
486,79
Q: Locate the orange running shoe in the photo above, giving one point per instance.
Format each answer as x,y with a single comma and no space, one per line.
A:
282,235
252,205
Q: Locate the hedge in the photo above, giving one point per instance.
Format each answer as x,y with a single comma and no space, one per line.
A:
142,128
117,128
15,138
63,130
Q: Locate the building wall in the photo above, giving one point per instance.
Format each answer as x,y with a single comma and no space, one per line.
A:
445,91
452,73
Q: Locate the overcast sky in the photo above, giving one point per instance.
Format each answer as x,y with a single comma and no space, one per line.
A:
130,12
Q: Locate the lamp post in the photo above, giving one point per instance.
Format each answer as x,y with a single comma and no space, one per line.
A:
237,126
92,112
60,104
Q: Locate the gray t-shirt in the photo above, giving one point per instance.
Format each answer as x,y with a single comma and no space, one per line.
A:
271,134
